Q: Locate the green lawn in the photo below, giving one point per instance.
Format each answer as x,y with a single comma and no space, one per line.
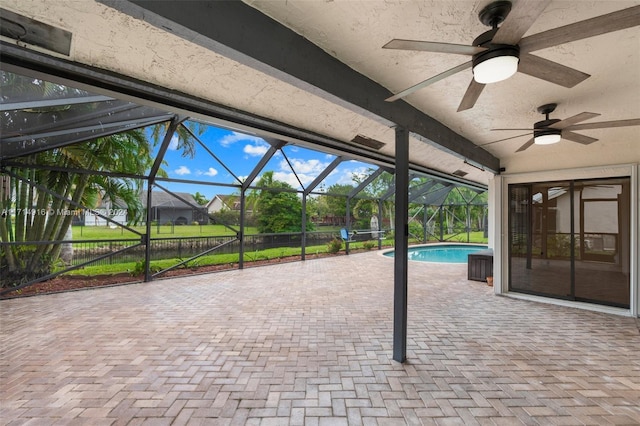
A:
107,233
212,259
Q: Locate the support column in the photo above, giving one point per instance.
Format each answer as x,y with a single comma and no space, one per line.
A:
240,234
380,224
401,246
303,241
425,223
347,225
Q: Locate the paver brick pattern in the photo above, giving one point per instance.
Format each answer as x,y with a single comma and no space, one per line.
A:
310,343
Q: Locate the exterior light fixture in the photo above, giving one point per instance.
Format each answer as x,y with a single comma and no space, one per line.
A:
547,136
497,63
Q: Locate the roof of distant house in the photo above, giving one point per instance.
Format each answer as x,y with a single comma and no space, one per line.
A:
164,199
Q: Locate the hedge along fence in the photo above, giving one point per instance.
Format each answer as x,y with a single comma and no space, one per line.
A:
186,247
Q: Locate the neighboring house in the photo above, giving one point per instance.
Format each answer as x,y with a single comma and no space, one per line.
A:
222,202
165,208
225,202
116,211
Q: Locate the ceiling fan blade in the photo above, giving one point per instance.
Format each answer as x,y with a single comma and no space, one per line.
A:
563,124
431,46
505,139
576,137
606,124
429,81
625,18
519,20
525,146
550,71
471,95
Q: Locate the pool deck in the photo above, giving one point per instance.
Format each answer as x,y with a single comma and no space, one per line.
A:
310,343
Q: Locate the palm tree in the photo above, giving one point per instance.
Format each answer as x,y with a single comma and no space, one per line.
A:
42,217
39,215
200,199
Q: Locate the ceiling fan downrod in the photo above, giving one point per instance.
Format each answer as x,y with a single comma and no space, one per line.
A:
499,61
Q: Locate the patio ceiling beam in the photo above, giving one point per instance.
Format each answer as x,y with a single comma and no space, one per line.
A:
244,34
37,65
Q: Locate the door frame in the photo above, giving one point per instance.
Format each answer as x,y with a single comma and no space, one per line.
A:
499,231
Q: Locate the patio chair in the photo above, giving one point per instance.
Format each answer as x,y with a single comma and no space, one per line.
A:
346,236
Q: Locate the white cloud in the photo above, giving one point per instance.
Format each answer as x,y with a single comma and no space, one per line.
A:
312,166
182,170
173,144
255,150
211,172
290,178
239,137
347,177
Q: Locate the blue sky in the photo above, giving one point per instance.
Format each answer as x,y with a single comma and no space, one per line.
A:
240,153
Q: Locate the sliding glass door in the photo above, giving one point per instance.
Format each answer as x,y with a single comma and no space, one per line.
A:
571,240
602,263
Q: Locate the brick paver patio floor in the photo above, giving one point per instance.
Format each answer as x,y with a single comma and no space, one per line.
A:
311,343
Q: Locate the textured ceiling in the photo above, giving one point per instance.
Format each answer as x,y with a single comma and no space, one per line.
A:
354,33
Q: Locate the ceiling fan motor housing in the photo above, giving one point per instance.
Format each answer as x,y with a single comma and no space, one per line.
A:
493,51
541,128
493,15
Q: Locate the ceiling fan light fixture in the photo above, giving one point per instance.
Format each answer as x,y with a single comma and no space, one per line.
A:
496,64
546,137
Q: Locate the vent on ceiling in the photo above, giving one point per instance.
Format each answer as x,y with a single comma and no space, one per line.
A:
35,33
368,142
460,173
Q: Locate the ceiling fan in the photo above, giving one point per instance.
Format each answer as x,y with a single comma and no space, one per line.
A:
552,130
501,52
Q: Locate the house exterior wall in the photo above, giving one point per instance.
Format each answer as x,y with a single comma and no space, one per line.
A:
117,215
215,205
499,231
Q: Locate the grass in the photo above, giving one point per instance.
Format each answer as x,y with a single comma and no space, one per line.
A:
225,259
474,237
106,233
212,259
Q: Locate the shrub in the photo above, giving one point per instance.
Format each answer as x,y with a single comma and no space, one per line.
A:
368,245
140,266
334,246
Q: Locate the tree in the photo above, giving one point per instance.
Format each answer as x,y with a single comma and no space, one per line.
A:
277,209
367,203
44,216
337,199
37,215
200,199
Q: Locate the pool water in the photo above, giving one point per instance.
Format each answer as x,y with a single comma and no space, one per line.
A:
441,253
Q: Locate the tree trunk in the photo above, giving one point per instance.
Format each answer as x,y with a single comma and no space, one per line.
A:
66,249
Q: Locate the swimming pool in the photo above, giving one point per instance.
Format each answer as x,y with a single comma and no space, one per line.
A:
441,253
